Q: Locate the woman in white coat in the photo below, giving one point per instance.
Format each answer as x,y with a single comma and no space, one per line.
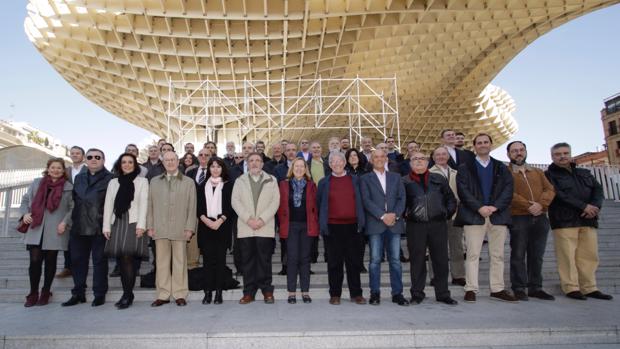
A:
124,222
47,208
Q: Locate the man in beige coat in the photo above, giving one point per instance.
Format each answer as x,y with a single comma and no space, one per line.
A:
255,198
171,221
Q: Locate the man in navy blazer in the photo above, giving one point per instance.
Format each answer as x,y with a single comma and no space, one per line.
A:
384,198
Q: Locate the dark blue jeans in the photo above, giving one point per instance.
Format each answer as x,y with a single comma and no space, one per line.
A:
392,247
81,248
528,240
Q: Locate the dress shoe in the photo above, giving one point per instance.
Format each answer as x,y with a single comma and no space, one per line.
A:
311,272
503,296
181,302
520,295
306,298
291,300
31,299
268,298
238,273
363,270
283,271
74,300
98,301
400,300
576,295
540,294
470,297
334,300
64,273
218,297
44,298
432,283
159,302
458,281
417,299
208,297
404,259
448,301
375,299
246,299
599,295
115,272
126,302
359,300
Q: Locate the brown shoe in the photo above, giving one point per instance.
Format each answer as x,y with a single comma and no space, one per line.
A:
246,299
470,297
504,296
44,298
31,299
181,302
268,296
334,300
358,300
159,302
65,273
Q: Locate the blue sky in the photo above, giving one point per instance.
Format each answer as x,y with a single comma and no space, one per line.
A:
558,82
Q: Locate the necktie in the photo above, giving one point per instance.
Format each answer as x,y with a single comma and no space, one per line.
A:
202,176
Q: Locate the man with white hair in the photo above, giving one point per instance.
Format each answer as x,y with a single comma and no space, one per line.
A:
229,157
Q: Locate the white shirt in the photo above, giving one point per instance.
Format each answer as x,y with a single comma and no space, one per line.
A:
76,171
199,172
484,163
382,179
452,152
245,167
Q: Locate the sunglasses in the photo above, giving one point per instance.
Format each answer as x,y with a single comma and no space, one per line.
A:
90,157
238,157
203,154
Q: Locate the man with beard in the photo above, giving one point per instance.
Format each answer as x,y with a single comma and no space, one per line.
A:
531,198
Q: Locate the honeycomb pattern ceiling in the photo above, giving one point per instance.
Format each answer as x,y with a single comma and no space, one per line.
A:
121,54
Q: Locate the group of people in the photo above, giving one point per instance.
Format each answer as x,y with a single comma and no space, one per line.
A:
446,204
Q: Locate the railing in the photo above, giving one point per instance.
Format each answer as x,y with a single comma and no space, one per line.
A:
13,186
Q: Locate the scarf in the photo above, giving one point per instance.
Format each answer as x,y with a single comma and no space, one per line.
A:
125,193
419,178
298,190
214,197
43,200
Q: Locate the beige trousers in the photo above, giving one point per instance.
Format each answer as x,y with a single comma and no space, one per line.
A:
171,284
474,237
576,251
193,253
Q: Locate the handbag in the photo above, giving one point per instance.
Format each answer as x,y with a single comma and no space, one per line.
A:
22,227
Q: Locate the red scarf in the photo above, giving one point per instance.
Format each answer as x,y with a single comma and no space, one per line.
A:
44,201
418,178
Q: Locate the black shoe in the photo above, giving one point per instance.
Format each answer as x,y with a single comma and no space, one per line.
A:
218,297
458,282
417,299
291,300
126,302
306,298
115,272
283,271
74,300
375,299
400,300
540,294
520,295
404,259
117,304
207,298
600,295
576,295
238,273
311,272
448,301
432,283
98,301
363,270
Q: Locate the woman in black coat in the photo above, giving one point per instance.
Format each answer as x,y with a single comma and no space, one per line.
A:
356,162
215,217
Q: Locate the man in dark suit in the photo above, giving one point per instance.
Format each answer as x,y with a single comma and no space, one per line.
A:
390,165
277,157
242,167
199,174
384,200
405,165
457,156
304,150
260,148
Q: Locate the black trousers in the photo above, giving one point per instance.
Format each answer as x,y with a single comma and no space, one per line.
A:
528,236
342,245
81,248
433,235
256,255
298,245
67,255
236,249
214,260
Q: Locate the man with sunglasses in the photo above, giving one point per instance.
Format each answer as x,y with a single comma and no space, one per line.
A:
199,174
89,192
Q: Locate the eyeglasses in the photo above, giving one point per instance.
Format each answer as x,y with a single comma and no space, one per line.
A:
238,157
419,159
90,157
203,154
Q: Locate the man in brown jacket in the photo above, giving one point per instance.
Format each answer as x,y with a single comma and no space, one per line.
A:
171,221
530,226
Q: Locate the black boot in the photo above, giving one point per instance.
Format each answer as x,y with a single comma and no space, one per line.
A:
208,297
218,297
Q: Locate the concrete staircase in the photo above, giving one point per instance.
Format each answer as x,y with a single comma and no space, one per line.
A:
484,324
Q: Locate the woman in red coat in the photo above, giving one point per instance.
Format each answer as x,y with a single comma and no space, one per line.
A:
298,217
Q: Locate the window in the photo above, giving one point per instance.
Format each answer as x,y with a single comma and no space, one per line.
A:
613,128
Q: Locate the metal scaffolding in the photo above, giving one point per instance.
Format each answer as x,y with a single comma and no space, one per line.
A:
239,110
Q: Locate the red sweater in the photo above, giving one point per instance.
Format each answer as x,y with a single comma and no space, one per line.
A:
341,204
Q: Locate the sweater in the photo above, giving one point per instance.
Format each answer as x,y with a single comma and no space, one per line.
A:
341,201
485,177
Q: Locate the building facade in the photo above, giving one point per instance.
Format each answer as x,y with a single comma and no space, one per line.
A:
610,115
